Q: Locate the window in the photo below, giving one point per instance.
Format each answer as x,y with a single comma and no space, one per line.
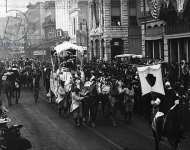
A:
115,12
81,26
133,20
132,3
132,13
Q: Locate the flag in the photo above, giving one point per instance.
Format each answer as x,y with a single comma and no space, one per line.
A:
151,79
155,6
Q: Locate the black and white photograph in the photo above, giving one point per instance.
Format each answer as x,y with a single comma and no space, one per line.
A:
94,74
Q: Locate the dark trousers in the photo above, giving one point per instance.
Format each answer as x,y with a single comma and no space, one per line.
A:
47,85
90,108
9,94
17,94
36,94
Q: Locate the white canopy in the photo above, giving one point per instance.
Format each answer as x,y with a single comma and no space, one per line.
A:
137,56
66,46
124,55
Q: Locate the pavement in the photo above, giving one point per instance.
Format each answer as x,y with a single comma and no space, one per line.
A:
48,131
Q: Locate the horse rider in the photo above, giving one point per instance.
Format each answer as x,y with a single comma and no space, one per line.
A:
16,83
8,77
36,83
168,101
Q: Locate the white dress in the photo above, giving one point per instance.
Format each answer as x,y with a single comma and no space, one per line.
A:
75,101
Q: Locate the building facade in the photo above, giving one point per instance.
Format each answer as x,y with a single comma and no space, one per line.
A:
109,28
168,36
79,22
49,28
35,15
152,31
62,15
49,25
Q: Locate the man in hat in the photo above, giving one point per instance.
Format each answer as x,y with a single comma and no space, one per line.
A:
169,98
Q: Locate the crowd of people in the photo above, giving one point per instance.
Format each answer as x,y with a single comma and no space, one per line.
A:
19,72
116,86
107,86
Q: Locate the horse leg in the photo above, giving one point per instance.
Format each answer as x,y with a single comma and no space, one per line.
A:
104,101
17,92
156,140
8,94
94,109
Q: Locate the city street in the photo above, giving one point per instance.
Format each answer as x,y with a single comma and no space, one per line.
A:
47,131
122,66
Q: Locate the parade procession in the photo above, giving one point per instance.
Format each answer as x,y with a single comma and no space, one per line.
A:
95,75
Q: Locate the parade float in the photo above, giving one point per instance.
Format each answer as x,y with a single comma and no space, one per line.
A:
66,58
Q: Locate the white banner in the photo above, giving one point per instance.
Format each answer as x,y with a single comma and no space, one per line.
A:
151,79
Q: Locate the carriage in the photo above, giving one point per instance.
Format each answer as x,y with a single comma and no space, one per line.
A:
65,59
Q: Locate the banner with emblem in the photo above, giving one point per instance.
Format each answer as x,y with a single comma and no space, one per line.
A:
151,79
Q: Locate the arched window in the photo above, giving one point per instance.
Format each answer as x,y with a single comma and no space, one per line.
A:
115,12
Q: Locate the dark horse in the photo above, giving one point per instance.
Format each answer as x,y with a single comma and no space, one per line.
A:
11,85
173,126
26,75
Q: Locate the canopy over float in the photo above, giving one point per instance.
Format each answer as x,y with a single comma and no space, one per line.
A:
60,49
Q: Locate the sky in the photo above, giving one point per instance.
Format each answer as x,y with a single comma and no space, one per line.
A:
15,4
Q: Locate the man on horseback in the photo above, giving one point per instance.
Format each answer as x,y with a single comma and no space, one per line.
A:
169,123
36,83
169,98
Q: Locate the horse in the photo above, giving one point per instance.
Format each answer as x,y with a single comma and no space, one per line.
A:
173,126
26,75
16,84
11,85
7,84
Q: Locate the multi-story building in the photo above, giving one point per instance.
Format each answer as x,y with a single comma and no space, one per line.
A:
12,34
168,36
49,28
35,15
152,32
113,28
62,15
49,25
79,22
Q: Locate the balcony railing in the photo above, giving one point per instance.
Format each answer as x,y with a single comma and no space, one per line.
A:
177,28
